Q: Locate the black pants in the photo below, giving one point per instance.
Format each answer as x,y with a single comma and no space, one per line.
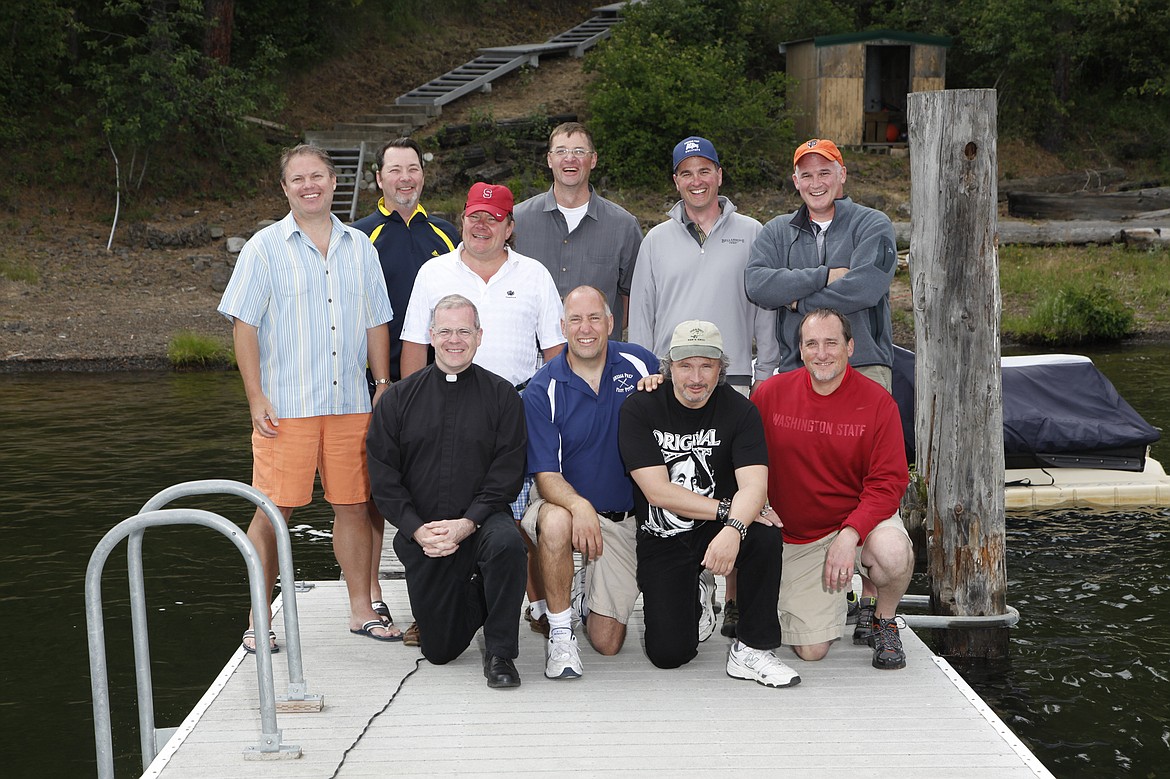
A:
668,575
480,585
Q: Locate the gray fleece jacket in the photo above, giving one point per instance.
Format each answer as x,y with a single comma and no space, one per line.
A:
784,267
676,279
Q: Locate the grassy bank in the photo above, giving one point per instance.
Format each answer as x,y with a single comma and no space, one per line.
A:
1135,276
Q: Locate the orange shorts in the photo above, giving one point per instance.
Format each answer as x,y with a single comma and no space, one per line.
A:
335,445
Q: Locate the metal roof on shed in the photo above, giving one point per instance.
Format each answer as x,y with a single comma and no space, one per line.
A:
870,35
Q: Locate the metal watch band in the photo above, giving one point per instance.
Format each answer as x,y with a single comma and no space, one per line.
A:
738,526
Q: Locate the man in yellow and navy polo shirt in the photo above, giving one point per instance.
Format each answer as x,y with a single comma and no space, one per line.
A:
402,231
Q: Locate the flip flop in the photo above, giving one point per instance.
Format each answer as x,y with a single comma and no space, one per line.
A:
412,636
250,633
367,629
382,610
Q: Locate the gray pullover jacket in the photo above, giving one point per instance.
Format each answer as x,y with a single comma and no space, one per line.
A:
784,267
676,279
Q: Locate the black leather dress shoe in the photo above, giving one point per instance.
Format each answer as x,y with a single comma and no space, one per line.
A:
500,671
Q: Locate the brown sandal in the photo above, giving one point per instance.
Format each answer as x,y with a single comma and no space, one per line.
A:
411,636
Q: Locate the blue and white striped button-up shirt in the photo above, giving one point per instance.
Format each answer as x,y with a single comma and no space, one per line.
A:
311,314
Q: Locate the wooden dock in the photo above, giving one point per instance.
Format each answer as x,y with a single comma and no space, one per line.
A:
388,712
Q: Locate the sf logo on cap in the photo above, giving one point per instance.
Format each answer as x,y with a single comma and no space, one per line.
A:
812,143
692,145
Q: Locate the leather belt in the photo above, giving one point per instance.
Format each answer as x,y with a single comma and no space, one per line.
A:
613,516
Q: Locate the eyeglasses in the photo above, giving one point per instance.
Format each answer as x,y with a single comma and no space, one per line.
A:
446,332
561,151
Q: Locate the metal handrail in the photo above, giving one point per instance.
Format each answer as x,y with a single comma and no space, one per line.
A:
955,621
297,688
270,735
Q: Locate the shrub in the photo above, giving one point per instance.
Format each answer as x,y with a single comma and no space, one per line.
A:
194,350
657,84
1075,315
18,270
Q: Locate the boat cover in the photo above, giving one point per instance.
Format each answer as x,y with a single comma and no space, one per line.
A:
1059,411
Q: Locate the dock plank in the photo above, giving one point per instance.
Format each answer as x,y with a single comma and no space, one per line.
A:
624,716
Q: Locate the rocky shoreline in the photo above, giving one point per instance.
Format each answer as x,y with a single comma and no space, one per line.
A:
90,365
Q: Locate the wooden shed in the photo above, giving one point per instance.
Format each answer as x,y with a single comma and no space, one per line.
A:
852,88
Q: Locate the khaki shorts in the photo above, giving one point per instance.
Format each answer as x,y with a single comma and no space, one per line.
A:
810,614
334,445
611,581
882,374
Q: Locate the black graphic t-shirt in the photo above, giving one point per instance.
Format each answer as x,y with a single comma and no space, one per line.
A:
701,448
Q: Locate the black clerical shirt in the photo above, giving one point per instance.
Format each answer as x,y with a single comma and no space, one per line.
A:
440,449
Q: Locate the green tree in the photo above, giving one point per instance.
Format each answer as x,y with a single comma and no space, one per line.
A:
665,74
153,84
34,59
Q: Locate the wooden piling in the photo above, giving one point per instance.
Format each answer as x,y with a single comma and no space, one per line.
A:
958,426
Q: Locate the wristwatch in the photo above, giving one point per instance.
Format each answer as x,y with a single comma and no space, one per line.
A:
378,382
735,524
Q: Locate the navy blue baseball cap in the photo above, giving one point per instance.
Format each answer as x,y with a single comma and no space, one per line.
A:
694,147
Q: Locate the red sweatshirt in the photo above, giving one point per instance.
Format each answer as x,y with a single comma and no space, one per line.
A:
833,460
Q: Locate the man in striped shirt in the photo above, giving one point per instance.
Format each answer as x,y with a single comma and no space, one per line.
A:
309,309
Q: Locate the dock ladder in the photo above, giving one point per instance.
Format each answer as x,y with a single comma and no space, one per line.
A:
152,514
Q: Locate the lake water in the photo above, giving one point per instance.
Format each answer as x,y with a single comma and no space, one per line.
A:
1087,685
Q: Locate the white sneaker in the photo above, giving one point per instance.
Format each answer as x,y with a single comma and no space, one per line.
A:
707,604
564,659
759,665
577,605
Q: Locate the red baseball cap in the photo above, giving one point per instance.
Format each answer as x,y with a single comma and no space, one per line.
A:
825,148
496,199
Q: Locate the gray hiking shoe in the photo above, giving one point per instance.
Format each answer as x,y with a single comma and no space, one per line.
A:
863,632
887,645
730,619
852,608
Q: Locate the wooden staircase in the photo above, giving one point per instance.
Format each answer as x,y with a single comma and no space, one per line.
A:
495,62
353,144
349,163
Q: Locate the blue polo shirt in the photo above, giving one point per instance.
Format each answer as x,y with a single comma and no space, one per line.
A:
403,247
574,432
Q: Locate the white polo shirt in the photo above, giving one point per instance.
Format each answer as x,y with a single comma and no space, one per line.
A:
519,309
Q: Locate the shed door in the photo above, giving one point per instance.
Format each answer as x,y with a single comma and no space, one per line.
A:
887,82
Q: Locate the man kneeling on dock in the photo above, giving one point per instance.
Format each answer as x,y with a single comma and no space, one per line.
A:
837,472
583,499
696,452
446,452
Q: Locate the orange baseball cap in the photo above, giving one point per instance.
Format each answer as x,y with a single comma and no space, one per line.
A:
825,148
